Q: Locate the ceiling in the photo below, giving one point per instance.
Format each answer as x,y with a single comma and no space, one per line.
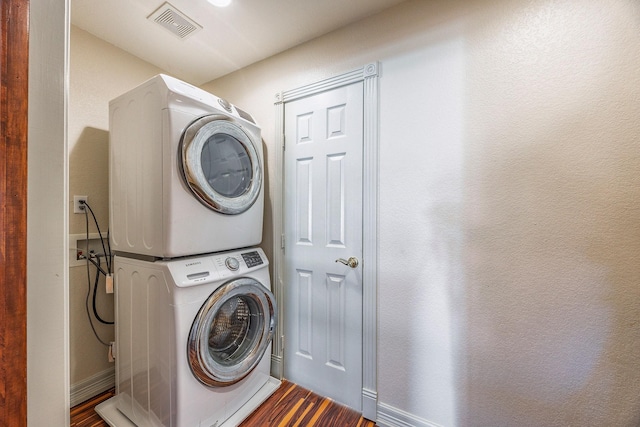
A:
230,38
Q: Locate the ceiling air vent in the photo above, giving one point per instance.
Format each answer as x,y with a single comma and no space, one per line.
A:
175,21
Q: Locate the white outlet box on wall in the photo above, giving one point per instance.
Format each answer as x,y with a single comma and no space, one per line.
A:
78,246
79,208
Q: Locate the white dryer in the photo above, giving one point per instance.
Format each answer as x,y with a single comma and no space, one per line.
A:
185,172
193,340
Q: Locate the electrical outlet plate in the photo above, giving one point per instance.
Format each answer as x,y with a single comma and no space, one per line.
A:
77,207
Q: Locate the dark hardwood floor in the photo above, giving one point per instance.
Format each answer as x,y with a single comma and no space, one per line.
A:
83,415
290,406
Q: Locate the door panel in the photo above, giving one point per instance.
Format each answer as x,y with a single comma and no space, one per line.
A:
303,206
323,222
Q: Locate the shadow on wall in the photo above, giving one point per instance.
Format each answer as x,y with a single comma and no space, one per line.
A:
89,176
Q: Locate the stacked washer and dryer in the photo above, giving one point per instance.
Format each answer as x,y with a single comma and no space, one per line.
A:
195,315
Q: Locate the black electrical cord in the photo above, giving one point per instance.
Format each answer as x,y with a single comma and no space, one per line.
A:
104,249
95,293
110,255
86,303
96,265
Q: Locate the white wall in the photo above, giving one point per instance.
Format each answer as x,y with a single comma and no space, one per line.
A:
421,236
509,204
47,311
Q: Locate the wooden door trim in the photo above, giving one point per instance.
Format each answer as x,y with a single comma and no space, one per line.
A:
14,84
369,76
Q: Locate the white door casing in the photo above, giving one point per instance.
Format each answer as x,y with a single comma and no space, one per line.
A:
366,272
323,223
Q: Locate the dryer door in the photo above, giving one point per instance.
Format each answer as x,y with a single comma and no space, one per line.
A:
231,332
220,164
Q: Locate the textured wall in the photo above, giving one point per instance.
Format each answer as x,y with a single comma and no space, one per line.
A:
552,215
421,230
510,204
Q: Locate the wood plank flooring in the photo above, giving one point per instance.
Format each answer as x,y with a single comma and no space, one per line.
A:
290,406
83,415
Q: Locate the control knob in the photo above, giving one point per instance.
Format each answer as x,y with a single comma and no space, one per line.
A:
232,263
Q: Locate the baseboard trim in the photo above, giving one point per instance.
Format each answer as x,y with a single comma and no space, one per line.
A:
277,370
388,416
92,386
369,404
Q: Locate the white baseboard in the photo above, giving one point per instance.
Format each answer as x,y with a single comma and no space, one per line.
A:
277,370
388,416
369,404
92,386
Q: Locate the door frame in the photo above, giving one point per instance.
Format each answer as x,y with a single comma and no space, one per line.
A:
369,75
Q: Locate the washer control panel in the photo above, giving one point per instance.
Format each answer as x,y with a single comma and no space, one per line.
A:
252,259
221,266
232,263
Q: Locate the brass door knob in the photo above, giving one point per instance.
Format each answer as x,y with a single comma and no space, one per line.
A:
351,262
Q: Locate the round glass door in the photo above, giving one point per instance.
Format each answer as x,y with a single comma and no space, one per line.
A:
231,332
221,165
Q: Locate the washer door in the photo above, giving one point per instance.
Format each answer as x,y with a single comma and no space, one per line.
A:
231,332
220,164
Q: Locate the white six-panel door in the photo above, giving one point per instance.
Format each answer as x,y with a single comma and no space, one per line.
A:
323,223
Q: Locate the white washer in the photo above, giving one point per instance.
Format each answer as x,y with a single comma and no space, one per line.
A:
193,340
185,172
